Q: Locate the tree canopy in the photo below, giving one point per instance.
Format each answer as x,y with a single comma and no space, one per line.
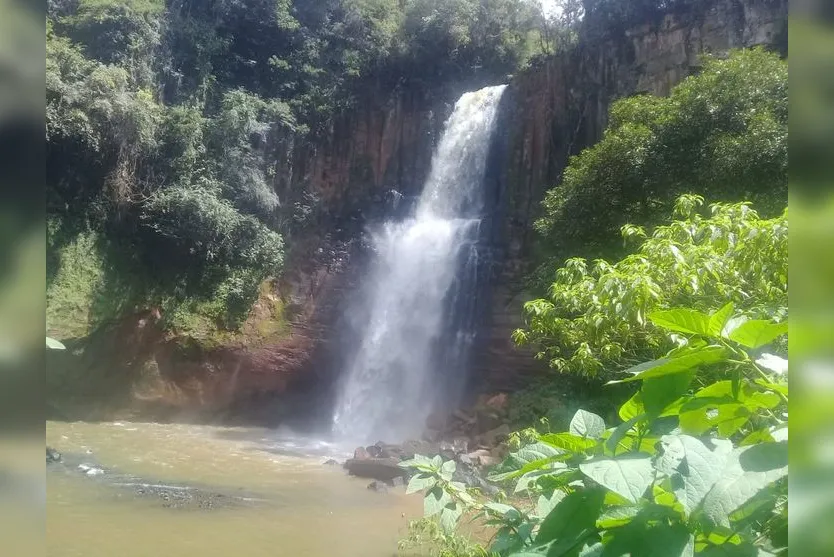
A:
721,133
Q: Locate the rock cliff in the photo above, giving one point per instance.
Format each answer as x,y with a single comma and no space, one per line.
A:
550,111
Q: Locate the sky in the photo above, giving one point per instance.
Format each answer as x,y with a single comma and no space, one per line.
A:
549,6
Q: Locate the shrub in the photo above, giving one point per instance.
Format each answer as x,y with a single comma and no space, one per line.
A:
692,469
721,134
594,318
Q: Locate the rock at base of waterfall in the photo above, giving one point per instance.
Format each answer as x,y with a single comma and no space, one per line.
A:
481,457
52,455
382,469
374,450
379,487
331,462
494,436
361,453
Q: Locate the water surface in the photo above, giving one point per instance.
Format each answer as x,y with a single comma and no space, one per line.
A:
278,498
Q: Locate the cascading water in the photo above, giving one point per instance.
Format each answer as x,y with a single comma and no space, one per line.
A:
419,296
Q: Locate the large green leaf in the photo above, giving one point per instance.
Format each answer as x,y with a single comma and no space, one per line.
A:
530,479
617,516
682,320
568,441
748,471
435,500
659,393
694,467
421,481
449,517
644,538
587,424
757,333
447,470
632,407
719,319
699,415
576,513
613,441
528,458
684,360
546,504
628,475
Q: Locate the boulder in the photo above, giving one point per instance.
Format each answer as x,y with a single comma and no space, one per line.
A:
330,462
382,469
482,457
361,454
418,446
464,417
495,436
374,450
389,451
52,455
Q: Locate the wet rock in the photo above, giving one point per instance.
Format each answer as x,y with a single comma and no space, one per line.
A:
390,451
379,487
398,481
52,455
465,459
464,417
498,402
488,420
482,457
374,450
418,446
382,469
361,454
495,436
436,421
331,462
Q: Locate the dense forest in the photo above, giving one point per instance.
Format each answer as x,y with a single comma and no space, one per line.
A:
171,129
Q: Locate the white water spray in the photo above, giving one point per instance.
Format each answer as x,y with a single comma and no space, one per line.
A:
412,339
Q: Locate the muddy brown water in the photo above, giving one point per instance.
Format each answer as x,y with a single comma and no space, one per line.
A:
248,492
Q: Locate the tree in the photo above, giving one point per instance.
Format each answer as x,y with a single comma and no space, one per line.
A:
721,134
594,318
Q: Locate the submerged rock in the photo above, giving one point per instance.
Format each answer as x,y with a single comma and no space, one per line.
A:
52,455
379,487
382,469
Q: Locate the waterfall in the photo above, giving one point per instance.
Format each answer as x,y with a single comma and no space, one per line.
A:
419,296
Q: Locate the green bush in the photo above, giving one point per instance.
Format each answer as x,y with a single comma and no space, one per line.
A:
721,134
694,468
594,318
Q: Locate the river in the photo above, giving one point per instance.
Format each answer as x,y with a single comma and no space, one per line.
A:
183,490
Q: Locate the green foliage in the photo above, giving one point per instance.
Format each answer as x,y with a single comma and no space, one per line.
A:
594,319
721,133
692,469
172,130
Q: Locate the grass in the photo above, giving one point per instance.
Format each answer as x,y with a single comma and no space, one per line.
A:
87,289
